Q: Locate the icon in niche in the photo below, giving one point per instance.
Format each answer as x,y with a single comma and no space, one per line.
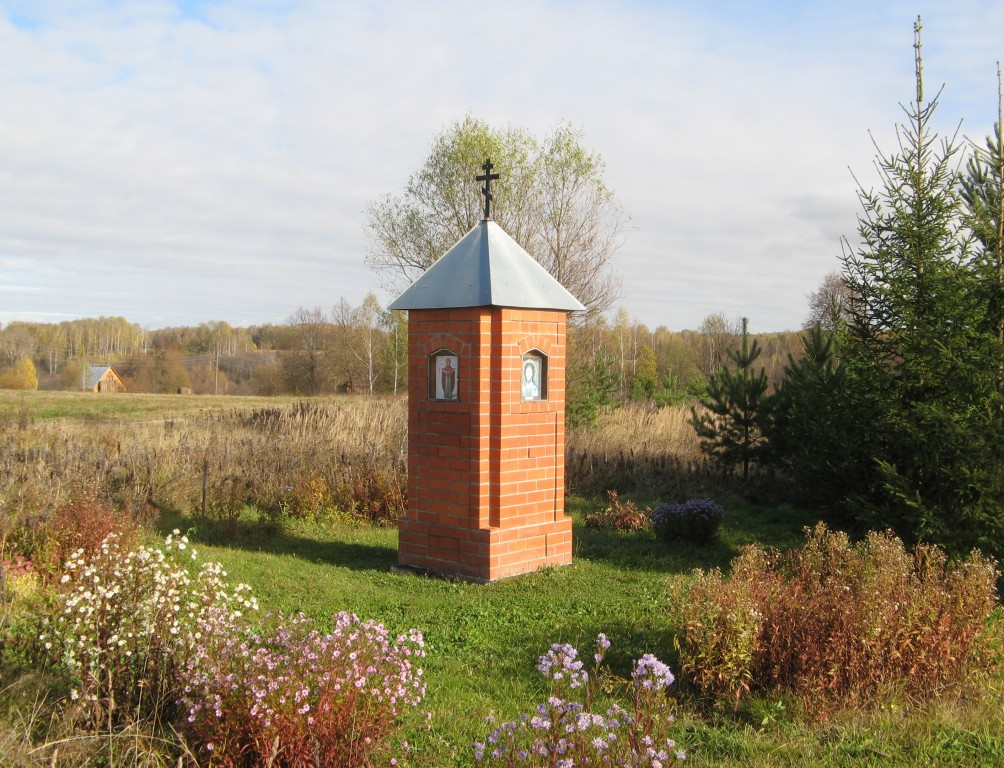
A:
532,379
445,377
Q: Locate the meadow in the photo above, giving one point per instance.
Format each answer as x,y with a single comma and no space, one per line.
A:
292,513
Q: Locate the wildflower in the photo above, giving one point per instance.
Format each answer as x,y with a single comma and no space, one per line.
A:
565,726
651,673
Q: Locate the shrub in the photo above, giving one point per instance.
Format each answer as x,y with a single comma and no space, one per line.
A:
306,497
294,696
618,515
696,521
371,489
15,568
836,622
720,624
127,621
82,524
565,732
20,590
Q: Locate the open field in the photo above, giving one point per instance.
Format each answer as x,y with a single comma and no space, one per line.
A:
122,407
218,454
483,641
211,455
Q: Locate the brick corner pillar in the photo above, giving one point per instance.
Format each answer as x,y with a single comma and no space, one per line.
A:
486,422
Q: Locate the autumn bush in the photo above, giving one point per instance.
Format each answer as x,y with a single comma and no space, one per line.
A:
307,496
20,587
81,524
127,619
618,515
833,622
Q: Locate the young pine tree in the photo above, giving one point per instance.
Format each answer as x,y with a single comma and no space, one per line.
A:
730,428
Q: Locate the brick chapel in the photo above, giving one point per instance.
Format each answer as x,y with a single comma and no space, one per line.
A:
486,411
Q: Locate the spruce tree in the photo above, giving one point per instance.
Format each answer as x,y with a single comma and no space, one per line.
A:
919,381
799,419
730,429
983,193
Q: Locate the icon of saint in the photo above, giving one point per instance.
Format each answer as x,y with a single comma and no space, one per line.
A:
448,379
531,389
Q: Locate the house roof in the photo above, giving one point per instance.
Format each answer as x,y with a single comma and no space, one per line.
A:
487,268
95,373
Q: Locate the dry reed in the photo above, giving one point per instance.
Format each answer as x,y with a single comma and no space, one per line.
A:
638,448
299,458
354,448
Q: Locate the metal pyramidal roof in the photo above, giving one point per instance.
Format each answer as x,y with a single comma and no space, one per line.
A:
487,268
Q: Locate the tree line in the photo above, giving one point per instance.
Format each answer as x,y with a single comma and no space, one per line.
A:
362,348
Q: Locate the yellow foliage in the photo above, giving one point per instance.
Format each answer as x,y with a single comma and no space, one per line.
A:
22,375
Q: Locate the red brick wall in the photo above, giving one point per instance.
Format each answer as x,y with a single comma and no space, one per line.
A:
486,471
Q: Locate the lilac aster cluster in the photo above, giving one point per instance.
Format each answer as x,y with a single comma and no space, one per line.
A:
304,693
561,663
564,731
651,673
695,520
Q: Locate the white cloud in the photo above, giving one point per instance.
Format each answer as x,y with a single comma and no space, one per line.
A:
176,163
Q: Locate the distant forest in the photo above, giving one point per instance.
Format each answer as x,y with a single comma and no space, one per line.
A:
363,349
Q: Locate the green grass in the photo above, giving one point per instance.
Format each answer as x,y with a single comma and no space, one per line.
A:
484,640
122,406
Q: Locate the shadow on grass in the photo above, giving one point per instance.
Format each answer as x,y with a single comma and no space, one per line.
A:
643,551
745,523
640,551
251,536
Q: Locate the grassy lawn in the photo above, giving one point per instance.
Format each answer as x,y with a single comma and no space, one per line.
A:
484,640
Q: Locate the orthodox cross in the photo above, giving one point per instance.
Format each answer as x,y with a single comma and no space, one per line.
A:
486,190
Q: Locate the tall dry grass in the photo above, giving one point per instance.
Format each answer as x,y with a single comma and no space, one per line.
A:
653,451
638,448
300,458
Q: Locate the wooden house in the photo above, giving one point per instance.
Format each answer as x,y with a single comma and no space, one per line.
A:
102,378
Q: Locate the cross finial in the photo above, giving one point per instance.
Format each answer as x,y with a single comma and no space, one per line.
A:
488,177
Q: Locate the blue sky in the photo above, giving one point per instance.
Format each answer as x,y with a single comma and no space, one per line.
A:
179,162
